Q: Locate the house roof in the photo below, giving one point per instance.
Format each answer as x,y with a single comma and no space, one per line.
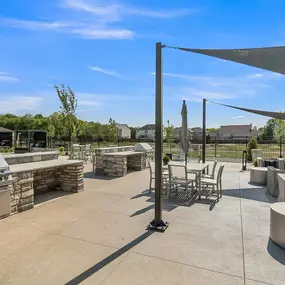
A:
4,130
197,129
235,128
122,125
148,127
179,129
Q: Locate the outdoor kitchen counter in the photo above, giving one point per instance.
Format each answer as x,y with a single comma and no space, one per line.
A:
30,179
117,163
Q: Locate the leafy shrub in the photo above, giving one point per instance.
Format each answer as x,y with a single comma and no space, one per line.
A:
61,150
251,145
6,149
166,159
255,163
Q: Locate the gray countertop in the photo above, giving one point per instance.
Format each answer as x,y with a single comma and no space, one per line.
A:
123,153
22,167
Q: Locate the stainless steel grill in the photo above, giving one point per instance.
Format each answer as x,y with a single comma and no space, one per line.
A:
5,180
144,147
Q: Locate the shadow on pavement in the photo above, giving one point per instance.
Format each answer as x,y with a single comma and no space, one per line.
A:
92,175
42,198
258,194
172,202
276,251
95,268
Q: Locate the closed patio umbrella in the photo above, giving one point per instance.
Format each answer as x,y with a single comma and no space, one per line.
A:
184,132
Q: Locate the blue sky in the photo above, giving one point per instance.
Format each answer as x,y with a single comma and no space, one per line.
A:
105,51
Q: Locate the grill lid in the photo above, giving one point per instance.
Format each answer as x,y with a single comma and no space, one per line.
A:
143,147
5,173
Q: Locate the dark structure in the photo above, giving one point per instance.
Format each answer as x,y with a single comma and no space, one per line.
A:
27,140
6,137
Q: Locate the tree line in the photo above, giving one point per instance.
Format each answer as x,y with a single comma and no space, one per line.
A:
273,130
64,124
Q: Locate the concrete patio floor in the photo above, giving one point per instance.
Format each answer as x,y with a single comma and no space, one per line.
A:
99,237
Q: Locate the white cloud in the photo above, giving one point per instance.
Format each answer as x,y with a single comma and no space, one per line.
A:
88,103
257,75
106,71
4,76
33,25
18,103
97,25
85,30
221,87
237,117
109,12
104,33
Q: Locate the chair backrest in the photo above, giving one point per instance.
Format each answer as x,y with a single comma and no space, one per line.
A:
151,167
75,148
177,171
220,172
214,167
88,147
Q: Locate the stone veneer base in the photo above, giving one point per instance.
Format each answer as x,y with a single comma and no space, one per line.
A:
27,184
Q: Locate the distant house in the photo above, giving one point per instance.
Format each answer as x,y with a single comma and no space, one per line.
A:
178,131
214,135
147,132
6,137
124,132
237,131
197,133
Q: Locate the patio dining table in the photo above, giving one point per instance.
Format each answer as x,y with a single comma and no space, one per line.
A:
198,168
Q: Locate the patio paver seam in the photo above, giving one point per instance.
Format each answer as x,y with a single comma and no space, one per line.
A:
207,227
187,264
84,240
116,267
261,282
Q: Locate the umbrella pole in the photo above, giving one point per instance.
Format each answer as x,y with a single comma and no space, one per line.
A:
157,224
204,132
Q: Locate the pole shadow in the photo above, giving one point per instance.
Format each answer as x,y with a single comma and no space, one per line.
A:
101,264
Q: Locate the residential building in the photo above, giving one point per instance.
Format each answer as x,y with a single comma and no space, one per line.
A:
147,132
124,132
197,133
178,131
237,131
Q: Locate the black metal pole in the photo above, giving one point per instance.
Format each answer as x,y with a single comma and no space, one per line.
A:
280,147
204,132
157,224
216,145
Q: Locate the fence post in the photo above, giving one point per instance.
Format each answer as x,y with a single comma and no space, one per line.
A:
280,147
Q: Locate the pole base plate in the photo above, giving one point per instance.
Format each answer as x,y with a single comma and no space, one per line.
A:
158,226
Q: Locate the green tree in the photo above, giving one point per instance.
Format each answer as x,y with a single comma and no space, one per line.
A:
133,132
268,131
68,109
169,134
213,130
112,131
252,144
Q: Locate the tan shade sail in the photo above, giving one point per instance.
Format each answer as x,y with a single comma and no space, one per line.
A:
268,58
277,115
